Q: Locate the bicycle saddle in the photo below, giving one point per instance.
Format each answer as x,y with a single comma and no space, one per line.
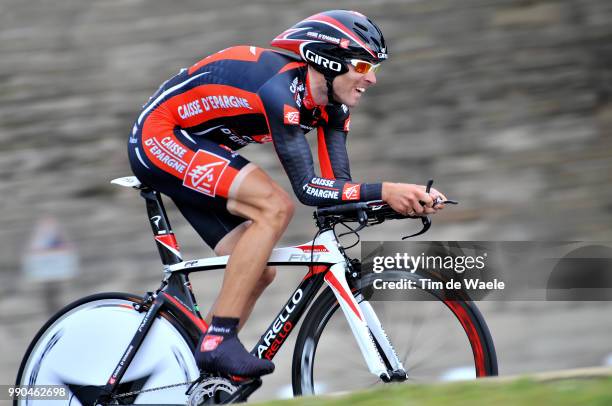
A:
128,181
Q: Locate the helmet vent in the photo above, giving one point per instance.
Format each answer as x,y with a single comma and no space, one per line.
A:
376,27
375,41
363,27
363,37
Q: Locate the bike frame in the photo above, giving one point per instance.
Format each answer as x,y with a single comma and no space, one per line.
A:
327,263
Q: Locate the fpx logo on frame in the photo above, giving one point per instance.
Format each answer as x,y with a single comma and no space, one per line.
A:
204,172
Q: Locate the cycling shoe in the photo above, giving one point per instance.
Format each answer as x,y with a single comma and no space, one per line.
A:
220,351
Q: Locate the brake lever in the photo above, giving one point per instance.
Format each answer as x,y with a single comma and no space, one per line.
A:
426,225
440,201
424,219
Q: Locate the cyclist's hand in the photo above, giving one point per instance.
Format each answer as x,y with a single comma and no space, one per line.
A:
406,198
437,197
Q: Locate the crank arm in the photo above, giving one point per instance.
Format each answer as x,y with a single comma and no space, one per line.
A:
244,391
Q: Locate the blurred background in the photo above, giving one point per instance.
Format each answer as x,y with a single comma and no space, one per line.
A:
507,104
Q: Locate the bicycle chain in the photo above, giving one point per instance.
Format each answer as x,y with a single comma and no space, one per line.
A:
138,392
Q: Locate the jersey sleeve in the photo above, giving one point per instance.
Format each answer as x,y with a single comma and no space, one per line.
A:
333,156
294,153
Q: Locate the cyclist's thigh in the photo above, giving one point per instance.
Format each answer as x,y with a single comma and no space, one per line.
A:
211,225
196,174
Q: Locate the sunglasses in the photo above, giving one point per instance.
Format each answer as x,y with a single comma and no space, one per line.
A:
364,66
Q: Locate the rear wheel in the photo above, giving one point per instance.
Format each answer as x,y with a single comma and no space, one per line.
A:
82,344
435,340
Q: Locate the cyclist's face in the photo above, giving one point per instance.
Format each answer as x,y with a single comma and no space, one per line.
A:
349,87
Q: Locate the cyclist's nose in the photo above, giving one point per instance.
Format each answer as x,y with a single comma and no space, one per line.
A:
370,77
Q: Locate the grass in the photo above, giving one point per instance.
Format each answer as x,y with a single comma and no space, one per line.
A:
524,392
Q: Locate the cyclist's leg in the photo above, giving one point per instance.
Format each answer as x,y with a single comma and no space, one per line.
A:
225,247
222,231
220,350
270,208
255,197
209,176
201,200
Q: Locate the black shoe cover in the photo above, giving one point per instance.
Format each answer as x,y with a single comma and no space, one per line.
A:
220,351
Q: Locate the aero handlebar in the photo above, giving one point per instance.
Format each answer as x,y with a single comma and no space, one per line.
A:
371,213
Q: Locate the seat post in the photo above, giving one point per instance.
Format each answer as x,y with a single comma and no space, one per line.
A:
167,246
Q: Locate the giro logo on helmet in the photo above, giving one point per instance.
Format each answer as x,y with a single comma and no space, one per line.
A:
322,61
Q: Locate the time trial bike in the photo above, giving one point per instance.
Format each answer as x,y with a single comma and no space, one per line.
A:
120,348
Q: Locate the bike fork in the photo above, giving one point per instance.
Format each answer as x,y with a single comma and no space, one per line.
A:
365,327
399,372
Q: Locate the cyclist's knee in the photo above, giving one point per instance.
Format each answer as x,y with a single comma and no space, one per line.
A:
261,200
283,207
277,210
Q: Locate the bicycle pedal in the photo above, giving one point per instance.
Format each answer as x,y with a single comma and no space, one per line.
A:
240,380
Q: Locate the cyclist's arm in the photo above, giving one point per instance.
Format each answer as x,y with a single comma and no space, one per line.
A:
294,153
333,156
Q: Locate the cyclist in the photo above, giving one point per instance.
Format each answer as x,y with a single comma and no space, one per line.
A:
184,141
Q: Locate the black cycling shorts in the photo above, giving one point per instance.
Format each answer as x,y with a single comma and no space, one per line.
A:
197,174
